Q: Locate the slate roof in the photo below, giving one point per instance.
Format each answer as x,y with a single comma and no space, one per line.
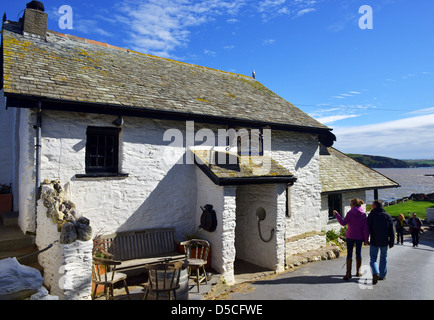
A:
248,169
338,172
68,68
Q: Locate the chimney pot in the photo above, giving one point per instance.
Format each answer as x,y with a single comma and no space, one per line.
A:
37,5
35,19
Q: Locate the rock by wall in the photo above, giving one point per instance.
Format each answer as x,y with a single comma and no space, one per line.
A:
68,263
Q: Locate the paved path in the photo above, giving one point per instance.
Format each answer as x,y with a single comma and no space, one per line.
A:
410,276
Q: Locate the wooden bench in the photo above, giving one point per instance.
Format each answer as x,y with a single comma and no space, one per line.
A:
137,248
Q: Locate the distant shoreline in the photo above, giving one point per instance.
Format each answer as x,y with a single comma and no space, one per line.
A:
385,162
411,180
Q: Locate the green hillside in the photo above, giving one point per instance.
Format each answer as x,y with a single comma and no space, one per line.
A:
385,162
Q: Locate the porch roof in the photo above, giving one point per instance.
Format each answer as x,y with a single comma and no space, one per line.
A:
247,170
338,173
72,73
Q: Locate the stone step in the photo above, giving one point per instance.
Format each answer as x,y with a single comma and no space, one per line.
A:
14,243
9,219
25,256
12,238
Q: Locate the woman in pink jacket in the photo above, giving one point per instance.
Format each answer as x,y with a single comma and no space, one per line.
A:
357,233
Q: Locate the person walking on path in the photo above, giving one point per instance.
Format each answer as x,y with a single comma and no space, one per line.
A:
357,233
400,222
415,227
382,237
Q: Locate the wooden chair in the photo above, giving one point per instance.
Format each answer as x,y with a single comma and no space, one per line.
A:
196,253
104,273
163,277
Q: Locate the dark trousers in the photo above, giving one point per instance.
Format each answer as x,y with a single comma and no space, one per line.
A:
350,246
415,236
400,235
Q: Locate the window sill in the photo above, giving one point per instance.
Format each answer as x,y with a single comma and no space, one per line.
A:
101,175
333,221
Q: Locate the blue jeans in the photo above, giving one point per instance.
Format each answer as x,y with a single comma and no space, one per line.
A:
373,252
350,246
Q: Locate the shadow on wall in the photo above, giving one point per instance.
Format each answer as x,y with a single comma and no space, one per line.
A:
171,203
305,158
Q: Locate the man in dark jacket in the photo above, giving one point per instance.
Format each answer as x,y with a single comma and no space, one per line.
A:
415,227
382,237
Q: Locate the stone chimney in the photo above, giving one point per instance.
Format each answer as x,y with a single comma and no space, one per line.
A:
35,19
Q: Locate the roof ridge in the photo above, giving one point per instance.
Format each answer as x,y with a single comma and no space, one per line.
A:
106,45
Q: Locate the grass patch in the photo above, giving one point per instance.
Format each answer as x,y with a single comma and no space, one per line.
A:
409,206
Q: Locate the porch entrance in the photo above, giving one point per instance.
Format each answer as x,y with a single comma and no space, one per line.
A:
255,232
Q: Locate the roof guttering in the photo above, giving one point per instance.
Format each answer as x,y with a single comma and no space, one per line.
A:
26,101
358,189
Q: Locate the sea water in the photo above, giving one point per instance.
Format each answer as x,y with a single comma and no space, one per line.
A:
411,180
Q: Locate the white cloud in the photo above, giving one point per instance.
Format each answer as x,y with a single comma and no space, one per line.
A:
233,20
423,111
332,119
160,26
229,47
337,113
268,42
270,9
409,138
345,95
304,11
209,52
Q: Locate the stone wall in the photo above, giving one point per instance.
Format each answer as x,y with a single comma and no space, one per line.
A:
24,186
67,267
157,193
209,193
304,244
268,250
162,191
299,153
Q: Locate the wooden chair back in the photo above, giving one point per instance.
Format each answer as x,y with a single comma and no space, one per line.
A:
196,249
103,270
164,276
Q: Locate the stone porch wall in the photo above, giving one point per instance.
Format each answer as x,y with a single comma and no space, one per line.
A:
297,245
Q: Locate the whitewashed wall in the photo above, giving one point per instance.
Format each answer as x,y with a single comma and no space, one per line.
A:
157,193
299,153
67,267
25,179
223,200
249,245
161,193
346,197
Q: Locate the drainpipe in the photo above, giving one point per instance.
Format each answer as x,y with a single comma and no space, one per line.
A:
38,156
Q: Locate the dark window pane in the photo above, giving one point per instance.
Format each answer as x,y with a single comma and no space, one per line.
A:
102,149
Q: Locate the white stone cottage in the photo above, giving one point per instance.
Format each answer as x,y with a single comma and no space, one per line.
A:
342,179
132,137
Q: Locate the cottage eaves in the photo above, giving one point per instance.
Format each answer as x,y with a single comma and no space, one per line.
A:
73,73
339,173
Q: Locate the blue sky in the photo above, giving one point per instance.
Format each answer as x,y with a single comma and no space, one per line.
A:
374,87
